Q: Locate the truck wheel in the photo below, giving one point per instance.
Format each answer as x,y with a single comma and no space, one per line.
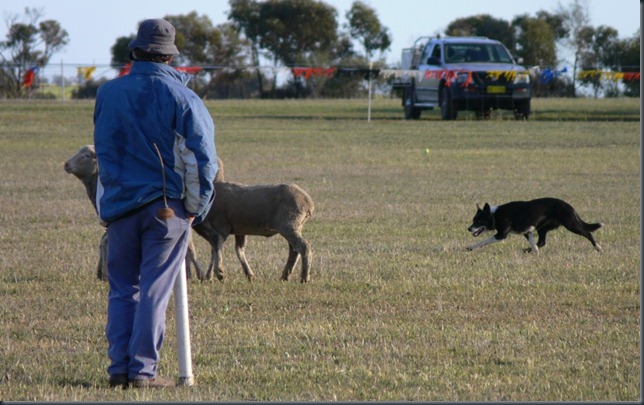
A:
448,110
411,112
522,110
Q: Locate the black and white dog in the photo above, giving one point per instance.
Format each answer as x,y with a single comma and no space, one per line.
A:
525,217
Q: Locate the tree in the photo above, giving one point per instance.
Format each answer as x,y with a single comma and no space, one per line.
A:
196,38
601,51
244,17
555,22
363,24
575,21
120,51
536,44
483,25
535,41
290,32
630,63
197,41
28,47
230,53
199,44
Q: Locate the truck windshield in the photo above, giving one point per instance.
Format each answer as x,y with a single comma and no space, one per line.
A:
476,53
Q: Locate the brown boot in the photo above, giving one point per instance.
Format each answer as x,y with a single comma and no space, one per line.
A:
157,382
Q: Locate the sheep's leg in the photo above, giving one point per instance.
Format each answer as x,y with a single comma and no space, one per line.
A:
306,262
240,244
99,264
300,246
191,259
211,265
201,276
101,267
216,241
218,259
293,256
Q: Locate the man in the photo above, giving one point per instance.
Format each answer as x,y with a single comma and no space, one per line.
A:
155,145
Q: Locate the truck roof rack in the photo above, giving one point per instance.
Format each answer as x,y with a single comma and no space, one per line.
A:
427,38
423,39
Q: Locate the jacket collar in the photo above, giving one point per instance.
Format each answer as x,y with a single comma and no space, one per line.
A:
153,68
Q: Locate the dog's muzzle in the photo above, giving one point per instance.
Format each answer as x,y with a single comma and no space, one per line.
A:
476,231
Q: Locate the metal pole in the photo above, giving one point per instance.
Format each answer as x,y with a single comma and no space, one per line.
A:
183,328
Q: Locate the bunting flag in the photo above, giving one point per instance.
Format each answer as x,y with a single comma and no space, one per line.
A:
125,69
307,72
508,75
365,73
600,74
547,75
628,76
467,81
397,73
389,73
543,76
189,69
30,75
86,72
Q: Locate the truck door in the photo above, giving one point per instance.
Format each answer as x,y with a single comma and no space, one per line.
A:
429,68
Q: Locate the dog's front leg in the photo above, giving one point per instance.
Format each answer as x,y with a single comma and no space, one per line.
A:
533,246
484,242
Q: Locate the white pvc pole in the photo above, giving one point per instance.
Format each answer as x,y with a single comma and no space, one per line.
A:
62,82
369,109
183,328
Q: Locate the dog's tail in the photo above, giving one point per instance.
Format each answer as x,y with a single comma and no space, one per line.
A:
592,227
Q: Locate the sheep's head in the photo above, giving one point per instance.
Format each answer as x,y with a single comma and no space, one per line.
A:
83,163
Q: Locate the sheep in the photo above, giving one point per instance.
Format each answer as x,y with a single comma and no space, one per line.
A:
84,166
263,210
239,210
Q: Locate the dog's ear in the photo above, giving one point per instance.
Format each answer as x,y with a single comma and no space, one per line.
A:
486,208
477,207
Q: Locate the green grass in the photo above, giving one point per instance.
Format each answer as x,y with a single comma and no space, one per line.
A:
397,309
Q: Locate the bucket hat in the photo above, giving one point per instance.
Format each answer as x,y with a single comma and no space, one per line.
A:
156,36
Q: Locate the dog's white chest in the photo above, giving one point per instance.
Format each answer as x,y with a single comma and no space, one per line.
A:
529,229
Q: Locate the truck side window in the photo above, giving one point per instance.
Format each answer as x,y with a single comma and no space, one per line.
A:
436,53
435,57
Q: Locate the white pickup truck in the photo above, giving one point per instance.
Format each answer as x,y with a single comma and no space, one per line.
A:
462,73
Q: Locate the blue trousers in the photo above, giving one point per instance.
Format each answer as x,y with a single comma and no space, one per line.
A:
143,259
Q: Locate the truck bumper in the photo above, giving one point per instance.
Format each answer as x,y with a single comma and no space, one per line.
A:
483,98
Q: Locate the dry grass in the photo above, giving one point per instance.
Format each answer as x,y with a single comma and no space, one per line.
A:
396,309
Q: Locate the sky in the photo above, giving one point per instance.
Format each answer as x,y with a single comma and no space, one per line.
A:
94,25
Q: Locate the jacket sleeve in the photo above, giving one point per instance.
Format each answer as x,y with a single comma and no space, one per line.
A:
196,131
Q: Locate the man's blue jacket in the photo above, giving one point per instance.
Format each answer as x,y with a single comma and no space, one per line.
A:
152,105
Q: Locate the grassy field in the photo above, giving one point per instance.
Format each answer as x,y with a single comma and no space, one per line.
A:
397,309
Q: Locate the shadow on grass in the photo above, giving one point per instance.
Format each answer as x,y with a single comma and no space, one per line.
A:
78,383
